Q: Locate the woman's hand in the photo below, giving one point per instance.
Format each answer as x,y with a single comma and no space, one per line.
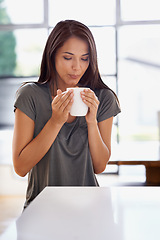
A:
91,100
61,106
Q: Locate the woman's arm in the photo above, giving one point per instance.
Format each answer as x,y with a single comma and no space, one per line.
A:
27,152
99,137
99,134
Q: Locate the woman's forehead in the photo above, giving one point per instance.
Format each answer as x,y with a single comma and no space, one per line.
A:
75,45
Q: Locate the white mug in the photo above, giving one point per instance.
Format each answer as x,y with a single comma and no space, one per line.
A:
79,108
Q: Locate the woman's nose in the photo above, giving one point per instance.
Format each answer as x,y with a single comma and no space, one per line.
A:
76,65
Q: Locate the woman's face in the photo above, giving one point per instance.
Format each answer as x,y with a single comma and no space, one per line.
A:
71,62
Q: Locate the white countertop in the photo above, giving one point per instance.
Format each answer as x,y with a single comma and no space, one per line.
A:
90,213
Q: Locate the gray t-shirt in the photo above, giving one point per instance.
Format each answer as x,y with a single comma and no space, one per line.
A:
68,162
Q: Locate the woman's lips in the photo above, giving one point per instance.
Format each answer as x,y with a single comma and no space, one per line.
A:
74,76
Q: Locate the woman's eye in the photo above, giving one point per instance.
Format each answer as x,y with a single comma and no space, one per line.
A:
85,59
67,58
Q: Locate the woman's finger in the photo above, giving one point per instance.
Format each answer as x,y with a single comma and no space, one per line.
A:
91,104
90,98
66,102
61,97
68,106
90,94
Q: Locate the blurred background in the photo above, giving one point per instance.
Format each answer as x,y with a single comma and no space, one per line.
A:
127,35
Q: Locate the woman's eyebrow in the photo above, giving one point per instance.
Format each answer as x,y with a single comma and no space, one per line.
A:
73,54
69,53
85,54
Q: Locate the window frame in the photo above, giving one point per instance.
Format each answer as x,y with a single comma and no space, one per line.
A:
118,23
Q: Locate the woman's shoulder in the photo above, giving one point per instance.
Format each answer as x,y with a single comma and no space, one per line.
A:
26,87
31,88
105,93
30,99
109,105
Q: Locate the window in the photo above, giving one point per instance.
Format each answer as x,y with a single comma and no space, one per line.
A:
21,12
127,35
139,87
89,12
29,51
105,43
25,26
135,10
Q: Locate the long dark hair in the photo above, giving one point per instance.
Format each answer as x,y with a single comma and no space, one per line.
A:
60,34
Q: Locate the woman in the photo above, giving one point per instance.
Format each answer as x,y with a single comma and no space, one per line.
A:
55,148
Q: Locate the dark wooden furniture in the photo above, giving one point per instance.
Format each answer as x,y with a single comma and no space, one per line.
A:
152,168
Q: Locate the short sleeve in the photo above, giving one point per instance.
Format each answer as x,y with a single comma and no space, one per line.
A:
25,101
109,106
